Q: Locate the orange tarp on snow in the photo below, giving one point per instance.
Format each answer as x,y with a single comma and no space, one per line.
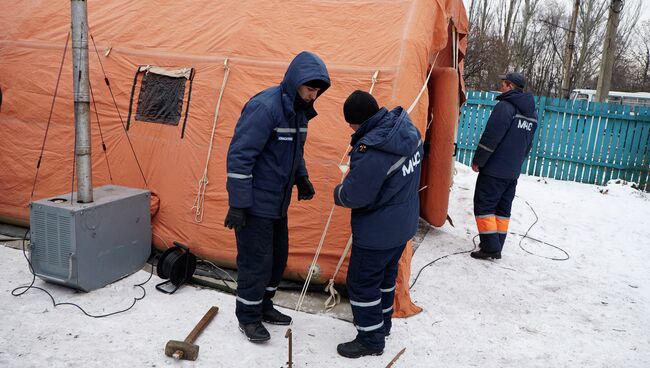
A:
398,38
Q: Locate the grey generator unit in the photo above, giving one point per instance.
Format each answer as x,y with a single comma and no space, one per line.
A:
87,246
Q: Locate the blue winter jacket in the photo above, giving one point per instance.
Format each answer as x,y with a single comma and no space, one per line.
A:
508,135
381,187
266,150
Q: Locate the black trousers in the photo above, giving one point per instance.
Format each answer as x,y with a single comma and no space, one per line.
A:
262,251
371,287
492,204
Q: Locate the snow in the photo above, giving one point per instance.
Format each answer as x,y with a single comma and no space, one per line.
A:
592,310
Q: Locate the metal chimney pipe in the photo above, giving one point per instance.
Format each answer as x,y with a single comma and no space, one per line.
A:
79,12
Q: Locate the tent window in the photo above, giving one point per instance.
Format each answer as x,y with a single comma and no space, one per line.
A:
161,99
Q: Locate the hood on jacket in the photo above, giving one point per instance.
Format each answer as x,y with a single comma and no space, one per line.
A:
305,67
389,131
523,101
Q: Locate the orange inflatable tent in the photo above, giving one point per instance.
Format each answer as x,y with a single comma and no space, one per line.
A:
387,46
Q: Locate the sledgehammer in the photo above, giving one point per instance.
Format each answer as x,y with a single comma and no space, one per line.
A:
186,349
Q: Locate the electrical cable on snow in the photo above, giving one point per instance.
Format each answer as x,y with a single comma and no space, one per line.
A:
439,258
233,288
523,236
15,292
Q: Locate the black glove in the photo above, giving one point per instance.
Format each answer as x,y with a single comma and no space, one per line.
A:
235,219
305,189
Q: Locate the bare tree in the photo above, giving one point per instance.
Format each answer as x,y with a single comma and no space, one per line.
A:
590,30
543,63
484,50
523,43
645,57
639,59
623,60
485,19
510,19
530,36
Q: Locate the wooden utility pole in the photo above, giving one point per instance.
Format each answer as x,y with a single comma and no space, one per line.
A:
568,51
609,48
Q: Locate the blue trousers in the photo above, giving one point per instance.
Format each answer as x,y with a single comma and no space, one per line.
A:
262,251
492,204
371,287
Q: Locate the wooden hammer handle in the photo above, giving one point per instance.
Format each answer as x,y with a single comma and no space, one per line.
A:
209,315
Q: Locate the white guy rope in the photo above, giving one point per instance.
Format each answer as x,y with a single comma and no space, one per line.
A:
203,182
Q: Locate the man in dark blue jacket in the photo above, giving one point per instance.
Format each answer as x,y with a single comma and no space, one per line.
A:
265,160
505,143
381,188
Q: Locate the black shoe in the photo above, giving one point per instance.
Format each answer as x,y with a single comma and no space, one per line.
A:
355,349
274,317
255,332
386,333
480,254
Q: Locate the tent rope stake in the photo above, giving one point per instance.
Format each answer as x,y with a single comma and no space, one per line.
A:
335,298
203,182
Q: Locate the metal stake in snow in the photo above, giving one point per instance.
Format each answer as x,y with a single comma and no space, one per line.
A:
390,364
79,14
289,335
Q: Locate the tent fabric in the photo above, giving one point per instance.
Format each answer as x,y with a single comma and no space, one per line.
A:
403,306
399,39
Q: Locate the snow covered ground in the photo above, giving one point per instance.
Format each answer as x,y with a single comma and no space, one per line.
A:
592,310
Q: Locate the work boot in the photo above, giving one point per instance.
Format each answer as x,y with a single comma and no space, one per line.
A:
480,254
274,317
255,331
355,349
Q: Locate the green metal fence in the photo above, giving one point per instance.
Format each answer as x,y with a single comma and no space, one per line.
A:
579,141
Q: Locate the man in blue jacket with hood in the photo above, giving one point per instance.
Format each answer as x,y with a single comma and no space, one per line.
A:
505,143
381,188
265,160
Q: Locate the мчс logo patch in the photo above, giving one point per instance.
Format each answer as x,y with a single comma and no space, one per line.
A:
412,164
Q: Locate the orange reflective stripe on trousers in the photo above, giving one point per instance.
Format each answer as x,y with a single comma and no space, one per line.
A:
486,224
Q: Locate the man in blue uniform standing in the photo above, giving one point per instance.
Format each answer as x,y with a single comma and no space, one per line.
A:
265,160
505,143
381,188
